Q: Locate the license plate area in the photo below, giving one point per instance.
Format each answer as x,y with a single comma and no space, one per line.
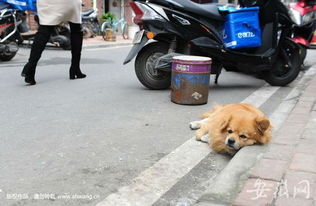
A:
138,37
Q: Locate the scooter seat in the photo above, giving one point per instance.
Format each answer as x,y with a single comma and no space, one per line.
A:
209,10
87,12
4,6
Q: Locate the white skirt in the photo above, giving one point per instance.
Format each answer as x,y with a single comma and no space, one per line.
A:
54,12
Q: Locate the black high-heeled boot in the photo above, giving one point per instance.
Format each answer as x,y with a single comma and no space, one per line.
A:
25,70
40,41
76,38
29,74
75,73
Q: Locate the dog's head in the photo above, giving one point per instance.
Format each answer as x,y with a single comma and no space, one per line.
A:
241,130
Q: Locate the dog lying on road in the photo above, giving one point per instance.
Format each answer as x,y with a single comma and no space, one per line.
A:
228,128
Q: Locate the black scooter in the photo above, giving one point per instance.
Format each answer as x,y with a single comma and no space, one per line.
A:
60,37
90,23
185,27
8,37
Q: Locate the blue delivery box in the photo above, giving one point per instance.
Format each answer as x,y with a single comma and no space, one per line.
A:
242,28
22,5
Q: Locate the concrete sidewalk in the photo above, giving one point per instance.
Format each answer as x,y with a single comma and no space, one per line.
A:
99,42
286,174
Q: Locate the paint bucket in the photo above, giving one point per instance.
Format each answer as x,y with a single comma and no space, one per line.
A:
190,79
110,35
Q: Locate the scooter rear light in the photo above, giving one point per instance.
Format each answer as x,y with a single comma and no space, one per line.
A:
313,42
138,12
146,11
301,41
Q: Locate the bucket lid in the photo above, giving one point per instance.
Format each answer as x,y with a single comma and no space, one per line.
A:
192,58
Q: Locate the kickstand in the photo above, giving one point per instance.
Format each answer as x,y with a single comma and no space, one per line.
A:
216,78
219,71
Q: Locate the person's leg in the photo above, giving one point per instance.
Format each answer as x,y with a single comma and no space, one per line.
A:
40,41
76,38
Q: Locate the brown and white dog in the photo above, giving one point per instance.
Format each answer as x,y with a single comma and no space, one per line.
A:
227,128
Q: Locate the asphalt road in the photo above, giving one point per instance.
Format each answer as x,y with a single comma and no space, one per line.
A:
74,142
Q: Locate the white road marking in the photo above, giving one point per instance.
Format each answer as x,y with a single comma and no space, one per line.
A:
261,95
153,182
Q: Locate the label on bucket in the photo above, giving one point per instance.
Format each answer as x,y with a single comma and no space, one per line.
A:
182,67
191,68
191,64
197,95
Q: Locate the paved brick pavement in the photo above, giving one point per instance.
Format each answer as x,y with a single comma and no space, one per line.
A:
286,173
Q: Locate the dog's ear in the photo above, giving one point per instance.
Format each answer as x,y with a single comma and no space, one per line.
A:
224,122
262,124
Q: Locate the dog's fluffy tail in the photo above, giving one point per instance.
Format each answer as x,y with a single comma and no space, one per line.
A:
209,113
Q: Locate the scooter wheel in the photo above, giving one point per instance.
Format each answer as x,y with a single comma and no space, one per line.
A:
303,53
145,63
7,57
287,66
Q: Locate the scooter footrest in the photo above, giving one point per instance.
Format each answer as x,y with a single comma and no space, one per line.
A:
206,43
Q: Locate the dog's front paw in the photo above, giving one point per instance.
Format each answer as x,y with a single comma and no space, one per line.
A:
195,125
205,138
197,138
